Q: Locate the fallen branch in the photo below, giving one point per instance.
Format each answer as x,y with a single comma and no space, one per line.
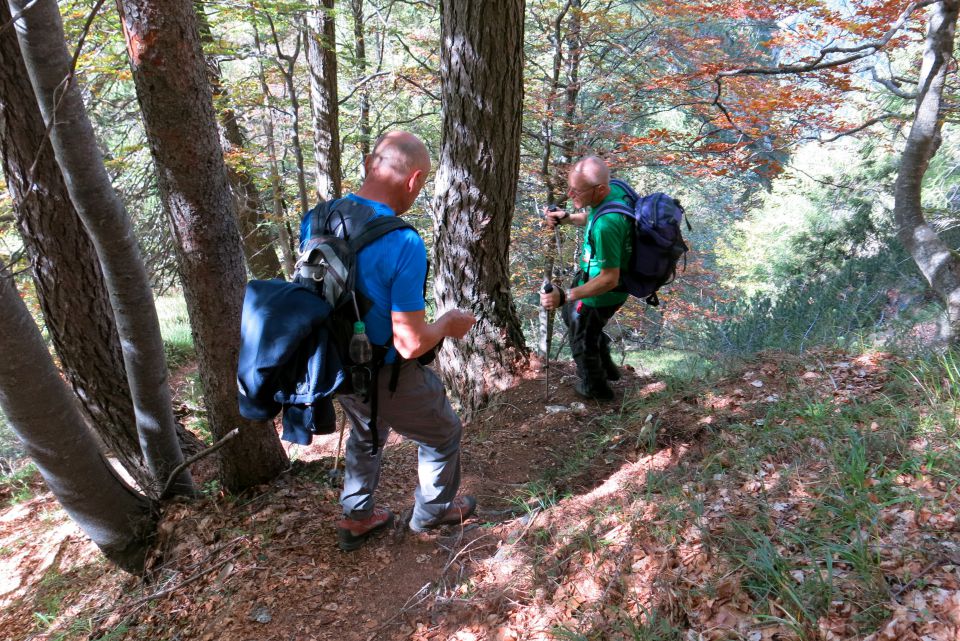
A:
191,579
196,457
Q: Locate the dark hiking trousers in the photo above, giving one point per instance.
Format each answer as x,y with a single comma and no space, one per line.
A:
589,345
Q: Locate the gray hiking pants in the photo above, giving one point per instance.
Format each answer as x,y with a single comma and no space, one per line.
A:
418,410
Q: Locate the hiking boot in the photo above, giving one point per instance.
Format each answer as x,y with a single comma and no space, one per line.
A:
351,533
459,511
593,392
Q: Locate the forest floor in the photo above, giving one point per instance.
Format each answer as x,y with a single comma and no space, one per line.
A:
796,497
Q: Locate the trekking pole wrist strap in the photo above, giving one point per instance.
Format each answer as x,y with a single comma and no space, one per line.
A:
563,295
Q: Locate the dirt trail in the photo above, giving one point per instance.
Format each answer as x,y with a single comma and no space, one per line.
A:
265,565
659,512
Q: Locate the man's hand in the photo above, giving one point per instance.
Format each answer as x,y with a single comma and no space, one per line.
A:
456,323
553,217
551,300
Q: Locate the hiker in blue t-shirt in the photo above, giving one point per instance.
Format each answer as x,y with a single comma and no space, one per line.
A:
588,307
390,273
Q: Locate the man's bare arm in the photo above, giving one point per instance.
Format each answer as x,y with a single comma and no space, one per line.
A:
413,336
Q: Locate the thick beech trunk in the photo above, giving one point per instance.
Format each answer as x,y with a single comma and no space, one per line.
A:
45,416
321,53
67,276
482,91
175,99
42,44
938,262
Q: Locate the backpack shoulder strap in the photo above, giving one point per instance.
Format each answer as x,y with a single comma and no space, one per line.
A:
374,229
622,184
318,218
342,217
614,207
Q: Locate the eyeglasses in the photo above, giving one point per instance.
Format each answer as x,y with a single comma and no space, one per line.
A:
576,193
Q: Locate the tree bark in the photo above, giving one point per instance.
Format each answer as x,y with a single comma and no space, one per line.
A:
552,89
66,274
255,235
482,93
360,47
570,150
44,51
939,264
276,186
321,50
176,101
46,418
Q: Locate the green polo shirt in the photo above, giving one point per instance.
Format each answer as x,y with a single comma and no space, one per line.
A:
606,244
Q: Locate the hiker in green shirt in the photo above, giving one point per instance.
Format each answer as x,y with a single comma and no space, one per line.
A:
587,307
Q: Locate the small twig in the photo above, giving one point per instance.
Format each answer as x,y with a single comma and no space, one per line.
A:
360,83
196,457
185,582
827,372
14,19
409,605
903,588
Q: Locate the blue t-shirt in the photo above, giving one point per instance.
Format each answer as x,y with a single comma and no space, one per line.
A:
390,273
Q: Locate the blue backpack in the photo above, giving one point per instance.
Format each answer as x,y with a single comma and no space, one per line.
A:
657,242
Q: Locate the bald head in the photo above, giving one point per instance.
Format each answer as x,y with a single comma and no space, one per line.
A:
592,170
397,169
589,182
398,153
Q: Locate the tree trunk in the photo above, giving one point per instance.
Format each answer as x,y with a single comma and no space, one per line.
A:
255,236
175,99
939,264
66,274
44,51
287,63
256,239
276,187
360,47
321,53
45,417
552,88
482,92
570,150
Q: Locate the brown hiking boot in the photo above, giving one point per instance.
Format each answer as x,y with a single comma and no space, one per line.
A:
351,533
459,511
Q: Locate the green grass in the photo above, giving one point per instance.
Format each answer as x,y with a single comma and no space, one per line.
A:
18,483
175,329
671,364
48,600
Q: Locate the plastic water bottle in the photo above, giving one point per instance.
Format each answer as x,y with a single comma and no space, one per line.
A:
361,353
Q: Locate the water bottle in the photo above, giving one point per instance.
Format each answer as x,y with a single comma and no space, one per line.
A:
361,353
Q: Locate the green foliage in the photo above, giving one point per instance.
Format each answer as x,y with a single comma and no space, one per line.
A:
175,329
17,482
816,262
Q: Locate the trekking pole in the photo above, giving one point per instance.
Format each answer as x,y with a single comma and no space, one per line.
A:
546,317
334,473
